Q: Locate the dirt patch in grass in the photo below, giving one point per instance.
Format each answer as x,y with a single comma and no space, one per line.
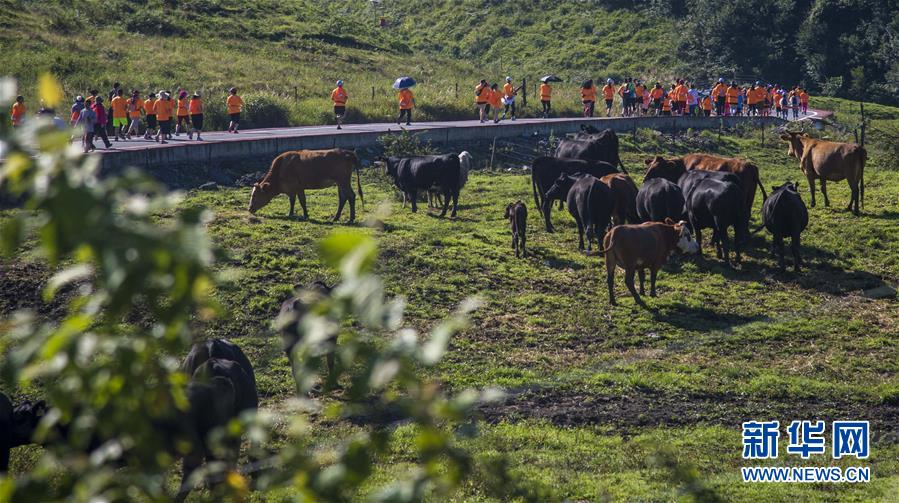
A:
21,287
631,411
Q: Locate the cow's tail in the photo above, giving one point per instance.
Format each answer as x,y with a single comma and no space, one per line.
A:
621,165
537,201
758,180
861,179
359,187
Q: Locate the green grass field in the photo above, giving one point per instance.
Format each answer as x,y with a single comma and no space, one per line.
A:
597,394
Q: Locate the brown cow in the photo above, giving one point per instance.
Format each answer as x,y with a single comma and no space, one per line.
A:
294,172
641,247
624,197
672,169
830,161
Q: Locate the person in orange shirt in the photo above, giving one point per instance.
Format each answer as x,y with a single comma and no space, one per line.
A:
546,94
707,106
495,101
407,102
656,96
718,94
235,105
195,107
119,106
731,93
588,97
509,93
803,101
608,94
339,97
183,114
18,111
666,106
134,106
150,112
638,96
164,107
680,97
482,98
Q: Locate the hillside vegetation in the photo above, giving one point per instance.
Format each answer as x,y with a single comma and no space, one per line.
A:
285,56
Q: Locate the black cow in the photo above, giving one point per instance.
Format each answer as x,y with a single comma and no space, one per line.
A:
292,311
592,147
6,426
784,215
659,199
546,170
590,202
17,425
423,173
517,215
716,203
241,375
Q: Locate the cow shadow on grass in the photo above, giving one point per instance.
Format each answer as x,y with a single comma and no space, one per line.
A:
315,221
883,215
821,271
701,318
549,258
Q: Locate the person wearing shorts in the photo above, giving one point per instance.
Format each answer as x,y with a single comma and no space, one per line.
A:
339,97
134,105
482,98
235,105
183,114
588,98
150,112
195,107
119,109
608,94
164,108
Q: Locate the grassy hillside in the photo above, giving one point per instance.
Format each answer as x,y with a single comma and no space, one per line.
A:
286,56
599,394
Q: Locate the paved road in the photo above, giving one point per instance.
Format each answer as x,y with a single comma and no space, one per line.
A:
348,129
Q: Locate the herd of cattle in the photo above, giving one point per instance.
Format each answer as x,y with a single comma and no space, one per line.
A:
640,228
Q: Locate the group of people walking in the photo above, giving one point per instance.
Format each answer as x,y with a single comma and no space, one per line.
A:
164,114
682,98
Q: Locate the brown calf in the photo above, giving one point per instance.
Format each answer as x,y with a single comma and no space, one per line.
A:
517,214
830,161
641,247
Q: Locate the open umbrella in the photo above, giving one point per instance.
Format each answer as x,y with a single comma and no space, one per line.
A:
403,83
550,78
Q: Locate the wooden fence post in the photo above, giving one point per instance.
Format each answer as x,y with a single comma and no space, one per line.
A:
492,152
296,94
457,90
524,92
373,93
864,125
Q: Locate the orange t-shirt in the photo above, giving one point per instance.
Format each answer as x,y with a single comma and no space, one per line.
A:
481,94
608,92
406,99
803,97
666,105
707,103
732,93
495,98
546,92
134,107
656,93
182,107
680,93
18,112
150,106
163,109
508,90
235,104
339,97
195,106
118,105
588,94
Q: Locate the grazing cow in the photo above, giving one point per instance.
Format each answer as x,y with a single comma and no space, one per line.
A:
659,199
294,172
830,161
434,197
624,192
672,169
590,202
426,172
224,350
546,170
517,214
715,202
592,147
636,248
785,215
6,426
292,311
